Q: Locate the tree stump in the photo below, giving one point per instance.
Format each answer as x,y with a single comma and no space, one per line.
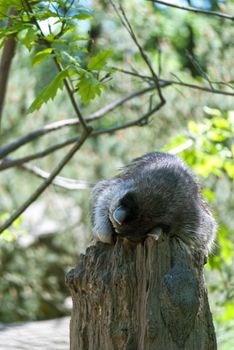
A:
146,296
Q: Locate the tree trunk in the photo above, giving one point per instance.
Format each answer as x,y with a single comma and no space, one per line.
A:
140,297
5,63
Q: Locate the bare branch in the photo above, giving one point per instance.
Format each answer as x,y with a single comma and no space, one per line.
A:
32,136
47,182
60,181
143,120
8,163
113,105
195,10
71,184
96,115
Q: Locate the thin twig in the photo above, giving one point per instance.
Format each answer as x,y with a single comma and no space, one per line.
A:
141,121
124,20
147,78
195,10
198,67
198,87
60,181
32,136
47,182
167,82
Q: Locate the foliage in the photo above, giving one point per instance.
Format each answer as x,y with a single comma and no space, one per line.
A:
212,149
57,42
32,284
211,156
10,235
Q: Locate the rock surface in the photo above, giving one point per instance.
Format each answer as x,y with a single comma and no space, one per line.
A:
40,335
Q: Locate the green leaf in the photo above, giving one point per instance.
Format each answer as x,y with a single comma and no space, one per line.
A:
7,236
99,61
5,6
82,16
49,92
50,38
211,164
40,56
10,235
229,312
216,135
232,149
27,37
89,87
221,123
208,194
66,57
229,167
194,127
45,14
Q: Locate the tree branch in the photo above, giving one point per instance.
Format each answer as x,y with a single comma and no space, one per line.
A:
47,182
71,184
32,136
195,10
9,163
94,116
60,181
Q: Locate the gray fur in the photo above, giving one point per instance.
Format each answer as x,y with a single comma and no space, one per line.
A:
160,192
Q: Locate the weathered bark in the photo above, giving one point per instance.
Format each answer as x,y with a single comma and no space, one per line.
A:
143,297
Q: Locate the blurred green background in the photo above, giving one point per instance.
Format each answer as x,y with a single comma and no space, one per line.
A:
46,241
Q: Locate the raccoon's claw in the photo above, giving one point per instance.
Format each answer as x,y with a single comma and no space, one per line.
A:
156,233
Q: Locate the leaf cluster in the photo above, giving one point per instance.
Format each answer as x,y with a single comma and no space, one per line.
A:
53,30
211,155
